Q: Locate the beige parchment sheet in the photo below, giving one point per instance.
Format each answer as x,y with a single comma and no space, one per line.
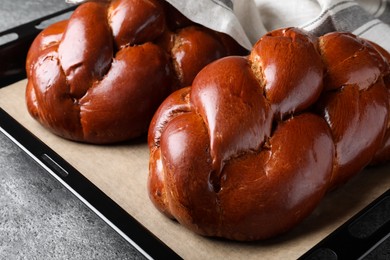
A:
121,172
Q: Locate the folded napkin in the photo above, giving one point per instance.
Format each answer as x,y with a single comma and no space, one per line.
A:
248,20
369,19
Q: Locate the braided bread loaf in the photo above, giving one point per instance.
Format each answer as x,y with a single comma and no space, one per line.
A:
252,147
100,76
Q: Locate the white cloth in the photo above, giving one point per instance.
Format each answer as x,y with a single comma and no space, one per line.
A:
248,20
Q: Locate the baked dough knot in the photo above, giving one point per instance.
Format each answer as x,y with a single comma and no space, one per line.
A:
99,76
250,149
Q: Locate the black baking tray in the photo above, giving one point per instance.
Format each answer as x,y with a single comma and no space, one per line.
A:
361,237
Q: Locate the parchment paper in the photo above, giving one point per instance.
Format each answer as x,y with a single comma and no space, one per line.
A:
121,172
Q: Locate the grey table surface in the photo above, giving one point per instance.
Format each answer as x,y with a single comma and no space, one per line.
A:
39,218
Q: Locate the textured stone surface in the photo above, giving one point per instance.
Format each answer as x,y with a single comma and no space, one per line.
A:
17,12
40,219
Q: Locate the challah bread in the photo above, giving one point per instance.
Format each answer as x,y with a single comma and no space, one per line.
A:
383,154
100,76
250,149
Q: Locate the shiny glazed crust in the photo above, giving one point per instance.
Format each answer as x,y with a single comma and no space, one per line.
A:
100,76
250,149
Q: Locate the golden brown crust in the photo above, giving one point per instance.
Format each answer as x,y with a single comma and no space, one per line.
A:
383,154
99,76
355,101
251,148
